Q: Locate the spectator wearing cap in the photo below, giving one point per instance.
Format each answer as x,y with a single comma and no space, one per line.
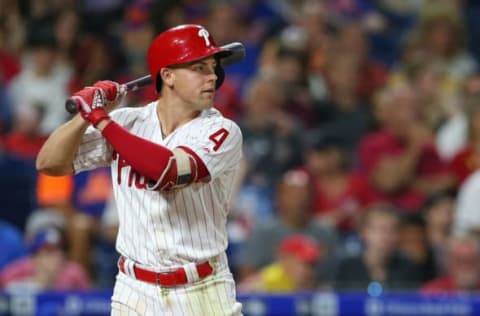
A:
463,268
293,270
293,201
46,267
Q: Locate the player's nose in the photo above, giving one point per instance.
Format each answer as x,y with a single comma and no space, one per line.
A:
212,74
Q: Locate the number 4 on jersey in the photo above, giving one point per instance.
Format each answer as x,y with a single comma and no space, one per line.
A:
218,138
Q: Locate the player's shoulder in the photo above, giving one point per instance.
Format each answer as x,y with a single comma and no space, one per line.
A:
213,119
128,115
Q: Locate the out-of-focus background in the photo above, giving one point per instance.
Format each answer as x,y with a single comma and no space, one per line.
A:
361,126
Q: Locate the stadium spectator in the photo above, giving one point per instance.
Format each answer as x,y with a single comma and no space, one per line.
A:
67,35
339,198
400,159
137,33
81,199
380,260
438,212
414,244
352,37
271,145
343,113
45,267
26,137
441,33
290,70
294,198
294,268
463,268
46,79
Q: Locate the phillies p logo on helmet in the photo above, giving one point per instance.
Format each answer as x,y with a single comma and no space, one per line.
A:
204,33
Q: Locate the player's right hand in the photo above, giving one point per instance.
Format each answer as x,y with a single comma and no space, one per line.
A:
92,102
114,92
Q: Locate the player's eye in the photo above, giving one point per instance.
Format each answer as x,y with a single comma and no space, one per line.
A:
203,68
198,67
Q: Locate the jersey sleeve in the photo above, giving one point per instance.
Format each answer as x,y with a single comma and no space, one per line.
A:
93,152
218,144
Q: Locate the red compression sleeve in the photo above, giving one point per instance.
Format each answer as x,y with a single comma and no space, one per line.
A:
147,158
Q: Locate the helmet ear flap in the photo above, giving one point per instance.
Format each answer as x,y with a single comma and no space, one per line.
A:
158,82
220,75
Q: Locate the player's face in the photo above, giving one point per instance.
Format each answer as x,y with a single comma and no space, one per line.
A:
195,83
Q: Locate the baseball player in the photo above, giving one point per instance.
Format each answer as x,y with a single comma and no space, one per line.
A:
173,165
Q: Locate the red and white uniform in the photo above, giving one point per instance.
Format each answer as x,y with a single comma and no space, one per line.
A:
161,231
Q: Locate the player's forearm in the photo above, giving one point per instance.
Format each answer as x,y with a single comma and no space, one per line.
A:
156,162
57,154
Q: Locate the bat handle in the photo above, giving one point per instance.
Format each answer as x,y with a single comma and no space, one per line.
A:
71,106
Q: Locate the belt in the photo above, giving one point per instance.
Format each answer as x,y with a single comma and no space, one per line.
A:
170,278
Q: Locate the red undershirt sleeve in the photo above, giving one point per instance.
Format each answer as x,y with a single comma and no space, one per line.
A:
147,158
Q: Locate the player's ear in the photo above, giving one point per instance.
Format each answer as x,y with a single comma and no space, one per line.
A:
168,76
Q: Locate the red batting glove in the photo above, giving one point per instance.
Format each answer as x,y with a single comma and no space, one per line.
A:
91,101
112,90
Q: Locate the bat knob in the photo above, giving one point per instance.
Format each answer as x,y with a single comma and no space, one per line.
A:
71,106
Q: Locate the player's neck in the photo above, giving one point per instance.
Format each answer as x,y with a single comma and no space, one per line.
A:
172,116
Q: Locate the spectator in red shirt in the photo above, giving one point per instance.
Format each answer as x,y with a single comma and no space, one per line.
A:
400,159
340,195
463,268
46,268
26,137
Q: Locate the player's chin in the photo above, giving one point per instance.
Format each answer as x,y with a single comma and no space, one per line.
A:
203,104
206,101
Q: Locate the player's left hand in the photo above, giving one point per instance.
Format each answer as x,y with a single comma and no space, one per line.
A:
92,102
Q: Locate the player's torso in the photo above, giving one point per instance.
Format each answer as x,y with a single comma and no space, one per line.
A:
165,229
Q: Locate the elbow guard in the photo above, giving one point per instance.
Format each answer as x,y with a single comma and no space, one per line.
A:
180,171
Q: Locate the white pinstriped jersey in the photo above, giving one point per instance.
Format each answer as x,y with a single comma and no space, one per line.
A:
162,230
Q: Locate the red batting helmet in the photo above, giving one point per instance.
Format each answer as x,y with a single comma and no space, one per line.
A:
183,44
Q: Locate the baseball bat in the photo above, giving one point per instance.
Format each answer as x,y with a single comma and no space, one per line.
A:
237,54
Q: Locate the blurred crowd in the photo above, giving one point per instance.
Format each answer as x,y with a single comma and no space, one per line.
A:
361,126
